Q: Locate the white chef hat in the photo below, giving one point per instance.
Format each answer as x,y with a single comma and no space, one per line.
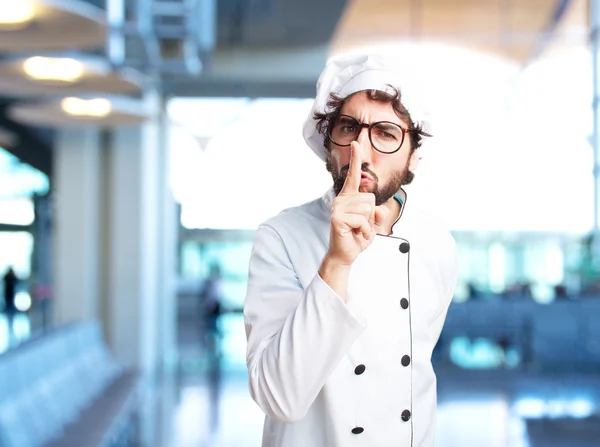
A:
347,74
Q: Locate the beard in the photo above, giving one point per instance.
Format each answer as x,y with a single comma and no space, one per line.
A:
382,192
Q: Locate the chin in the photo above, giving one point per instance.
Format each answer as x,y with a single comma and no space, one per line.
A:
368,188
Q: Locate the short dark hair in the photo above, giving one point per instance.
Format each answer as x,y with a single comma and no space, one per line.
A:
393,97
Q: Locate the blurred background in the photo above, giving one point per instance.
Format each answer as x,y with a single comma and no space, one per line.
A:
143,141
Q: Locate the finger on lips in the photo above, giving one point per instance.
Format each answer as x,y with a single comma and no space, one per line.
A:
352,182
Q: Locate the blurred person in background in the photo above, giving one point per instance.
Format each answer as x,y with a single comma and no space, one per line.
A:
211,309
473,291
347,294
10,281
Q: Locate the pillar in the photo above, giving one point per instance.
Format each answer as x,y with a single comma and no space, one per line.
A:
76,226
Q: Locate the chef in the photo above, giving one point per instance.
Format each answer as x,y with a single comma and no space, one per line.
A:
347,294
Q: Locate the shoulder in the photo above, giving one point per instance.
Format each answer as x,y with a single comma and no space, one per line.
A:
291,235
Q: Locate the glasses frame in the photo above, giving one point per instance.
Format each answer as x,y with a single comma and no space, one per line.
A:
369,127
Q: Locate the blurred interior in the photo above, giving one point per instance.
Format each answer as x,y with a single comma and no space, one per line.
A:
142,142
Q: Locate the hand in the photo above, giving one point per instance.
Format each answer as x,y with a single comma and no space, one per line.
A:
353,216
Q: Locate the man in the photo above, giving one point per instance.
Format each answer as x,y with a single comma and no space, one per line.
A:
10,288
347,294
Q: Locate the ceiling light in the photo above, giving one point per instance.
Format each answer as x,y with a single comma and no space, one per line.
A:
15,15
53,69
94,108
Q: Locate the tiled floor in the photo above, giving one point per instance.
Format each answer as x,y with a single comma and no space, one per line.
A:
195,416
202,418
199,407
476,408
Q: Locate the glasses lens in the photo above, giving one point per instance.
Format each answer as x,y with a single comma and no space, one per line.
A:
344,130
387,137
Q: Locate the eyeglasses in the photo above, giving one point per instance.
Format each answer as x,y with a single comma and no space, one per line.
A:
385,136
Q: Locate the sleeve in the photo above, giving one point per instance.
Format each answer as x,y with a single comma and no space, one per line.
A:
296,337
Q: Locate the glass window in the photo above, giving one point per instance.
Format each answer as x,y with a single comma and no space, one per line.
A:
17,248
232,257
251,166
191,260
16,211
18,180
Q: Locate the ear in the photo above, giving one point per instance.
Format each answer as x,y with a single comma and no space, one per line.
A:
413,162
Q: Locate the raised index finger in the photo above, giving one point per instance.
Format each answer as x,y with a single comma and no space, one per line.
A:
352,182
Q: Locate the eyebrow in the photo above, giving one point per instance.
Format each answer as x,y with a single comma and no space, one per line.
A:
389,125
384,122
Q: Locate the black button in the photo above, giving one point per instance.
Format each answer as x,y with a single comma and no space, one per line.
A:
357,430
359,369
406,415
404,247
405,360
404,303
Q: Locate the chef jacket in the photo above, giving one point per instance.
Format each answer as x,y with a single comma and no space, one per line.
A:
329,373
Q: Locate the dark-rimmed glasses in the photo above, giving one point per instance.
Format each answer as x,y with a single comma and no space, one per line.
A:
385,136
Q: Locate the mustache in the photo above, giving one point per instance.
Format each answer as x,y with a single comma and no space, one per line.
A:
364,168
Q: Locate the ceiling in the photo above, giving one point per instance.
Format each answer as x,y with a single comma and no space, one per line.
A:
280,49
270,48
509,29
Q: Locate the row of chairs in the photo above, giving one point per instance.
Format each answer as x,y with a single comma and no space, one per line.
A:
563,334
564,432
65,389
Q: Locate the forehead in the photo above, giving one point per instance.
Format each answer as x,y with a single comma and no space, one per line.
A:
360,106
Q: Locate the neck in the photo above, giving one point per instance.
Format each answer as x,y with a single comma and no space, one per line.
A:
393,211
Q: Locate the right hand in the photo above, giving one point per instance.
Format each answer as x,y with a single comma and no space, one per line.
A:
353,216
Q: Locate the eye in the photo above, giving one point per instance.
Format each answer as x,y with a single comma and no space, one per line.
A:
388,132
345,125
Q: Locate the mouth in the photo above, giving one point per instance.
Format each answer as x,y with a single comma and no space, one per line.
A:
365,179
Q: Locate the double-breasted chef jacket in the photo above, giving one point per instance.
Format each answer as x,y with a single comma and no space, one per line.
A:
329,373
